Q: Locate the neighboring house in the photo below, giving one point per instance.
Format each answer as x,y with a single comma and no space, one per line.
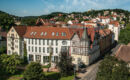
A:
123,53
104,19
115,28
106,40
114,17
89,23
15,42
3,36
84,46
39,40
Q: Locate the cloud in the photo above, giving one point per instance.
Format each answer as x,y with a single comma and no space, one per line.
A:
81,5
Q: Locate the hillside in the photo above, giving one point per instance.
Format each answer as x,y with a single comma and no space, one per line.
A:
7,20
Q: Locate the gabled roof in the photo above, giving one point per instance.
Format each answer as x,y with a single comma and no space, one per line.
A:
123,53
116,23
39,32
21,30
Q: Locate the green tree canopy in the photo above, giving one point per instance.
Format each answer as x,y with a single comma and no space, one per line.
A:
113,69
8,63
34,72
124,36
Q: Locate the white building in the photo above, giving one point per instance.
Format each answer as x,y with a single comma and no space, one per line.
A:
40,39
15,42
115,28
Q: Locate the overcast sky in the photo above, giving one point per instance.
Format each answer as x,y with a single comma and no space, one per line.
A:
39,7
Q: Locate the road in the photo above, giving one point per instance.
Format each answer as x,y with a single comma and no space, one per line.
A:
91,72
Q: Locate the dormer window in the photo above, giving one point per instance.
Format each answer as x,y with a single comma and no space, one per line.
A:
45,33
35,33
57,34
31,33
53,33
63,34
41,33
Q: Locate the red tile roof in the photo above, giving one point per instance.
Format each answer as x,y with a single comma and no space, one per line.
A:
123,53
21,30
49,31
104,32
116,23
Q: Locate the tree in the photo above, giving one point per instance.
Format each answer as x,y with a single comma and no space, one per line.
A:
3,50
6,21
25,55
113,69
9,63
34,72
65,64
124,35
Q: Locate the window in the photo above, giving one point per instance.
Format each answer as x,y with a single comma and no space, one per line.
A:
56,42
43,49
45,59
53,33
48,50
39,41
30,57
38,58
45,33
43,42
64,42
35,49
52,50
12,30
31,33
57,34
39,49
32,49
28,48
35,41
63,34
47,42
56,50
55,58
28,41
32,41
51,42
35,33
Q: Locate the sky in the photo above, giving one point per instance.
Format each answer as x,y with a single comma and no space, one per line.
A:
41,7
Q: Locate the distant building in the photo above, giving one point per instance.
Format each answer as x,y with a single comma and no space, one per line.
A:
115,28
106,40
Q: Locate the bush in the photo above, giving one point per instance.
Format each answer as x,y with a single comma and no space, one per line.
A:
34,72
